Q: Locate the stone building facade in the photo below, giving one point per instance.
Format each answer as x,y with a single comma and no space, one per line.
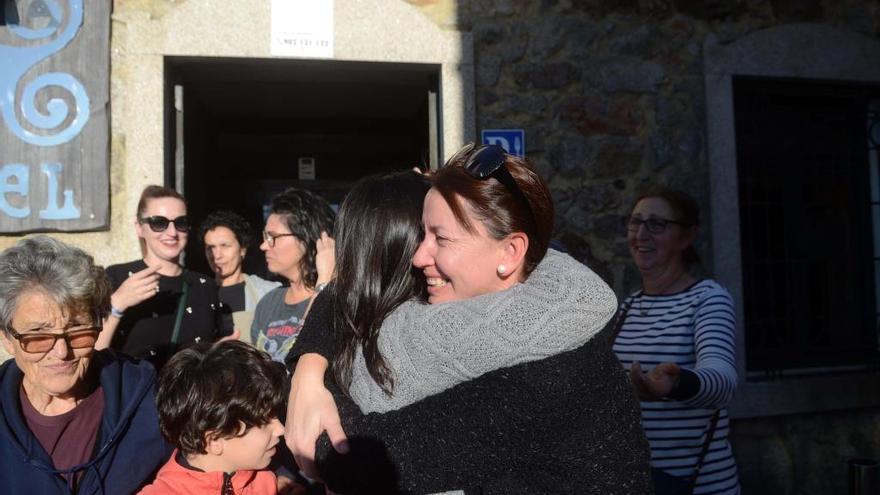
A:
613,95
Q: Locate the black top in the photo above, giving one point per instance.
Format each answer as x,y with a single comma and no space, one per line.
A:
145,330
232,297
569,423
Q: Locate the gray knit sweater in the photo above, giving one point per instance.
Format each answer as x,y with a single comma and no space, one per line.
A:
430,348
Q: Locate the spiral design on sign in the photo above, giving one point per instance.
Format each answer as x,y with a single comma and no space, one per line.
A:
56,111
51,122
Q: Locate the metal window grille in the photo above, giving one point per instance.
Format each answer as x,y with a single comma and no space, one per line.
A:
809,192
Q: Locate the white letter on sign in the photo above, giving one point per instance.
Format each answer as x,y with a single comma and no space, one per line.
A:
52,211
21,173
500,141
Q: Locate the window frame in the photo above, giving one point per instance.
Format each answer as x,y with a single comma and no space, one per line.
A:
789,51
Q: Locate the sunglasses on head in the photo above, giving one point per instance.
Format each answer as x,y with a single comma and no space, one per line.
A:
159,223
488,161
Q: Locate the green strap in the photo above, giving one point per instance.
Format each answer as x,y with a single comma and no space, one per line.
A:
180,306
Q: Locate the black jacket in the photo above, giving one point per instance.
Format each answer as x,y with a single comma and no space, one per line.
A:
565,424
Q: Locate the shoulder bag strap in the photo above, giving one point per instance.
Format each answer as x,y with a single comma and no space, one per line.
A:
619,319
181,304
713,423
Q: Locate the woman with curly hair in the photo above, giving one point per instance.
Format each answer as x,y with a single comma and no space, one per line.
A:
295,232
227,236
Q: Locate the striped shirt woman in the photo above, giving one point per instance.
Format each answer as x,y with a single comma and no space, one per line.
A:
694,329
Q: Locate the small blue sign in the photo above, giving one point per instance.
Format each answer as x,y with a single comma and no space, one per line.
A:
512,140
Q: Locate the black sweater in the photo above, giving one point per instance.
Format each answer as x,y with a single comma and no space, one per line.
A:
566,424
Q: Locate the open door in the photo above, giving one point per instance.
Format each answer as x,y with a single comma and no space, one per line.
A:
254,127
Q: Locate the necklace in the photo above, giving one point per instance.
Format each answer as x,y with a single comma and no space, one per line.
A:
643,311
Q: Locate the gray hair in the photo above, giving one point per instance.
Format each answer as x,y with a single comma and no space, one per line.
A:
66,274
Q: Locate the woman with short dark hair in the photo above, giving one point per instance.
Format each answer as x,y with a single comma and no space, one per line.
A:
72,419
227,237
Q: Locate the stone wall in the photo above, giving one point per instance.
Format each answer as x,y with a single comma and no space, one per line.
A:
611,96
804,454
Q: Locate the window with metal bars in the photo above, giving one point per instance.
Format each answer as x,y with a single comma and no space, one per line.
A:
809,196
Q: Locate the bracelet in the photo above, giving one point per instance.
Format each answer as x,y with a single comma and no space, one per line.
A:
116,312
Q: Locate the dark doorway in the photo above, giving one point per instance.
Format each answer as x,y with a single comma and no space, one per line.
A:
237,130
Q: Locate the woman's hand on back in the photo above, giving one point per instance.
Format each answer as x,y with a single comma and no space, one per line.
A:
311,410
656,384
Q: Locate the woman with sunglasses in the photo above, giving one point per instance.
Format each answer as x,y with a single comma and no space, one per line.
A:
157,306
482,390
676,337
72,419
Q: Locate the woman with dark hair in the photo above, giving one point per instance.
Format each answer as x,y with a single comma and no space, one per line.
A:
378,276
682,329
72,419
499,385
296,231
158,306
227,236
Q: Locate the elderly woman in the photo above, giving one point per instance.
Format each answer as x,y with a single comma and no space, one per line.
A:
498,386
72,419
158,306
227,236
676,336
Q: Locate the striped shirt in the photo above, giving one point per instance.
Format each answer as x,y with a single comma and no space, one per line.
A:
694,329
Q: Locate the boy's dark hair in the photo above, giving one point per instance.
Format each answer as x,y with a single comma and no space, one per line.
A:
217,388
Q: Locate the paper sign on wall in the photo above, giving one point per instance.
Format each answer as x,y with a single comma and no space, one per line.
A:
306,168
302,28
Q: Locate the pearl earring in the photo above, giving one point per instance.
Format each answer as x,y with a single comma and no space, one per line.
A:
501,269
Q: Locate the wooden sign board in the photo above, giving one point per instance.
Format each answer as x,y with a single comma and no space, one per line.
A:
54,99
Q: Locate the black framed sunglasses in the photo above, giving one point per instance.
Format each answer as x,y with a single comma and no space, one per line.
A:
41,342
488,161
158,223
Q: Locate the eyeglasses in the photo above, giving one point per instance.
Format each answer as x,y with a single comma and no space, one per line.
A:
159,223
80,337
488,161
270,237
655,225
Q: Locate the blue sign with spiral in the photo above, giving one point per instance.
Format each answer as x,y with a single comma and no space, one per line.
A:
54,126
18,60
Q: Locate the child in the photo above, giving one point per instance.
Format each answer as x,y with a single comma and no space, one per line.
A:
218,404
